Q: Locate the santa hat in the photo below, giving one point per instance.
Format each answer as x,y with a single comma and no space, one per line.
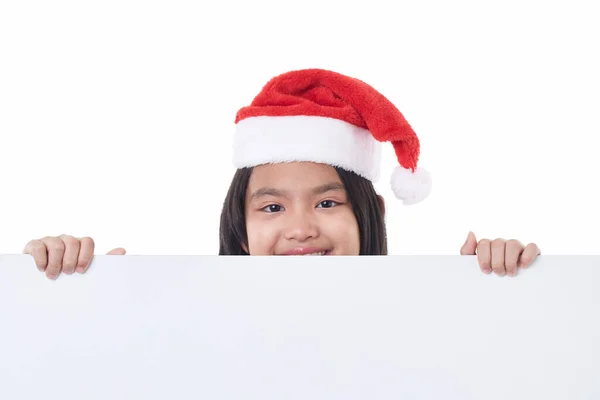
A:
326,117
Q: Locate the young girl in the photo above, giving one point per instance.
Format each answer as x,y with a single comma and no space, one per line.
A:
307,150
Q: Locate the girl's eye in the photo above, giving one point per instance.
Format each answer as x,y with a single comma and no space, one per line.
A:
327,204
273,208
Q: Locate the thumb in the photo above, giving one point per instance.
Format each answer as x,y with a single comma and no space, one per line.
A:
468,249
116,252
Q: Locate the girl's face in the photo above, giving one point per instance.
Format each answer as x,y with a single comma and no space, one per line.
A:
299,208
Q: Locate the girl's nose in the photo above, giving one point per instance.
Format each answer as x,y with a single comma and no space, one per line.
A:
301,227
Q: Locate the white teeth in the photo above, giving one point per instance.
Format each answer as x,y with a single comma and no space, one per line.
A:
315,254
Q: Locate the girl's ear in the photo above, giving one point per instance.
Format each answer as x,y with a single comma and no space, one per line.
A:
381,204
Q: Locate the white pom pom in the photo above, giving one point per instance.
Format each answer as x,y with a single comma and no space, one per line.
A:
411,187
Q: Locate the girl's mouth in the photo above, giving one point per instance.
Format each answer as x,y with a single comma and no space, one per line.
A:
319,253
306,251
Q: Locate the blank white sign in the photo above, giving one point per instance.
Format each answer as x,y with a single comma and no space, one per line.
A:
210,327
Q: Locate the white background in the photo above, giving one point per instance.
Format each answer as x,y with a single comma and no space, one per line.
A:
116,117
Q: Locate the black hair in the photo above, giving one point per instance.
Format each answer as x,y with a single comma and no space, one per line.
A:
365,203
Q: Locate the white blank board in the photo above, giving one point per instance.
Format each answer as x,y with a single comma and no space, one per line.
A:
210,327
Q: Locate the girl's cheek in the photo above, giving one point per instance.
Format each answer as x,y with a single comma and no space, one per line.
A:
344,232
262,237
344,222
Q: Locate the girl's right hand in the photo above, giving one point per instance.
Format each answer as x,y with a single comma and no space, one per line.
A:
63,253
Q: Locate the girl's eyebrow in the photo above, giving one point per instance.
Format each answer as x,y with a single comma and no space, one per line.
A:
267,191
327,187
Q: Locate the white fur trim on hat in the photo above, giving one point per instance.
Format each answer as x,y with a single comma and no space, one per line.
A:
411,187
266,139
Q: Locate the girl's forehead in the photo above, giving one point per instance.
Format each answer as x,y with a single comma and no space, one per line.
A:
296,174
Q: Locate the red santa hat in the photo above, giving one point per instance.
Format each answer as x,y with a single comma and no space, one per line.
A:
326,117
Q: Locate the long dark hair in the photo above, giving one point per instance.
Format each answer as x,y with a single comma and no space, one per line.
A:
361,193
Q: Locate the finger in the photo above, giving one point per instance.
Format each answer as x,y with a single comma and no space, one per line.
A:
529,255
71,255
39,252
511,256
117,252
484,255
86,252
469,246
498,257
56,251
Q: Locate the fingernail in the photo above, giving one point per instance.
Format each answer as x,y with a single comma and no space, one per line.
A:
51,276
79,270
487,270
511,273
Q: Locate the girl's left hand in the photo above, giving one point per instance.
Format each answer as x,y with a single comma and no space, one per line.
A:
502,257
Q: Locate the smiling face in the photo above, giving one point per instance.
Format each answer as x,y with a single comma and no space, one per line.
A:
299,208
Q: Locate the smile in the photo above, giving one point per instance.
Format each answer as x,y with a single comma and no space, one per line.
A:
306,252
320,253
